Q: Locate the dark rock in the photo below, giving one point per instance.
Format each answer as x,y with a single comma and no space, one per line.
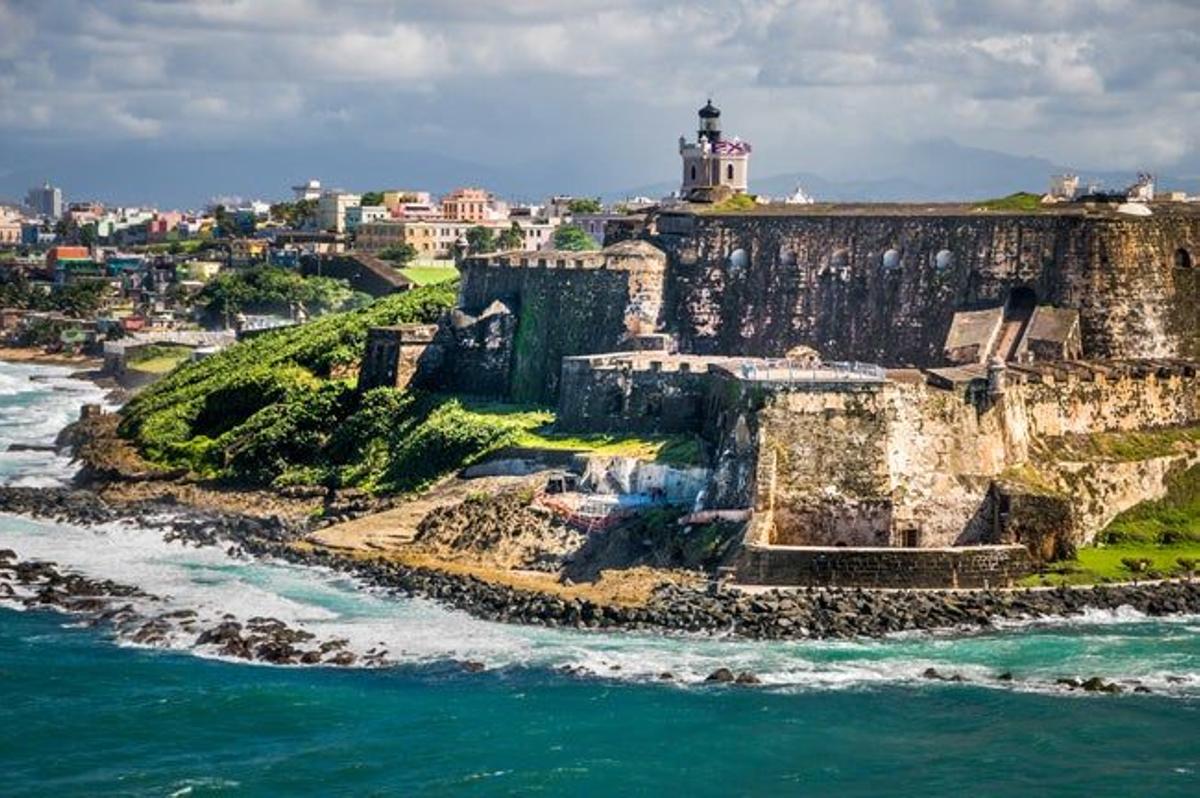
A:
746,677
723,675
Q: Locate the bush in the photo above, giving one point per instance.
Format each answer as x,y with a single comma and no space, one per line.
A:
264,409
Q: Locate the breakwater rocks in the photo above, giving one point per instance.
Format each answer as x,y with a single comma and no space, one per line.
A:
818,613
139,617
811,613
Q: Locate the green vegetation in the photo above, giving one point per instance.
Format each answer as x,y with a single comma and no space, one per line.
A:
157,358
1095,565
738,202
430,275
79,299
371,198
178,246
480,239
573,238
535,430
585,205
512,238
1021,201
399,255
1149,541
1175,518
273,410
295,214
1121,446
269,289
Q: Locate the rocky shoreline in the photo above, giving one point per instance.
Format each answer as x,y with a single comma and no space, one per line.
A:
809,613
132,615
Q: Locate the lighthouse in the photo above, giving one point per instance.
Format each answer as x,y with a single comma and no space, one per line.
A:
714,167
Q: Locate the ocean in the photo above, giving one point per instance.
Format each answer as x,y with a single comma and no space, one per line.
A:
555,712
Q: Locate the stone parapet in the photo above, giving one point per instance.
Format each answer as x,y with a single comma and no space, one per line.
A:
957,567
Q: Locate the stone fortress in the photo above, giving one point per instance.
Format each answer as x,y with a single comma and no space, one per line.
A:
889,395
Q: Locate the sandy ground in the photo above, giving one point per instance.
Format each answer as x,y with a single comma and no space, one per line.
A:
389,535
394,529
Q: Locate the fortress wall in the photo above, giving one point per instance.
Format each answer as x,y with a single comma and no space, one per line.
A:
1104,405
820,280
652,396
964,567
560,312
567,303
874,468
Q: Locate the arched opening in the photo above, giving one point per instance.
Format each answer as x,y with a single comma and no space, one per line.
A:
1183,259
1017,312
729,172
693,171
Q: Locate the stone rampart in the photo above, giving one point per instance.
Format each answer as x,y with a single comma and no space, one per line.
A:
882,285
958,567
567,303
909,464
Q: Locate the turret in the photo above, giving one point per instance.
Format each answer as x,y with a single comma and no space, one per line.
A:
710,123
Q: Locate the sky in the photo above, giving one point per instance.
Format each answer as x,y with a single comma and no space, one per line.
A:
174,102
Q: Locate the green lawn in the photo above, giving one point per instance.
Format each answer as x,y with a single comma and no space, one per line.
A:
1163,532
1021,201
430,275
1105,564
537,432
158,359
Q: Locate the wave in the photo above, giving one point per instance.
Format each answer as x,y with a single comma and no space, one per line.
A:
1163,654
417,632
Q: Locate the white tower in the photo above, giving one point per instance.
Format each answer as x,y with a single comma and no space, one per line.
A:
713,166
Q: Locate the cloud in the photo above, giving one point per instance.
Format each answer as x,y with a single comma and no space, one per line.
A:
607,85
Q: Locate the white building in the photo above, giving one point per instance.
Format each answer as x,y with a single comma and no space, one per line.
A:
1142,190
307,191
331,209
358,215
1064,187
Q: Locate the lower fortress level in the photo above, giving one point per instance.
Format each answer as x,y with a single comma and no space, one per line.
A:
887,395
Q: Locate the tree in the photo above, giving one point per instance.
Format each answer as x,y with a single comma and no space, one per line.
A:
585,205
573,238
480,239
372,198
400,254
512,238
224,222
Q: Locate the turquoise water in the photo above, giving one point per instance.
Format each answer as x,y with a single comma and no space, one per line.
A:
84,714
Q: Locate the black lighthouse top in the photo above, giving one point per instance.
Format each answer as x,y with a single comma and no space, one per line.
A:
710,123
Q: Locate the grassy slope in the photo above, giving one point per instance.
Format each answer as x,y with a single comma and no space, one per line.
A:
1021,201
158,359
430,275
535,430
282,409
1163,531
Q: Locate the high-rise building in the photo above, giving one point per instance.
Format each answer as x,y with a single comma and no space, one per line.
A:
45,200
